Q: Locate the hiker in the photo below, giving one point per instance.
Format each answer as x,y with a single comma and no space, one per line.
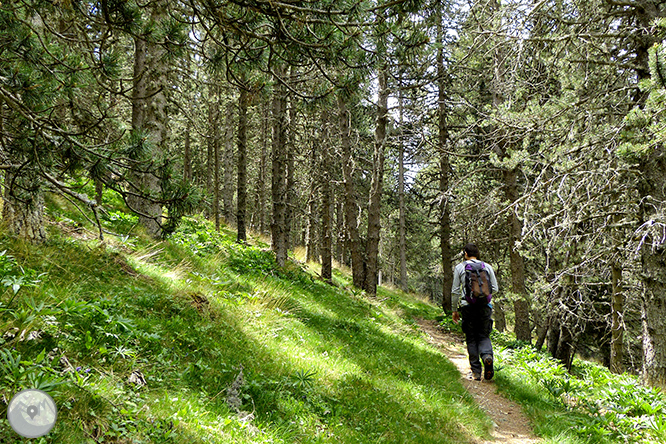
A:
475,281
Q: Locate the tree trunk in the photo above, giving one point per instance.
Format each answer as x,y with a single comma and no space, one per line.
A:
402,243
376,185
565,348
444,167
617,325
500,317
351,205
310,228
653,261
260,206
542,331
521,306
290,187
23,206
187,153
228,174
652,192
148,120
242,165
279,231
326,211
339,242
216,163
553,334
210,149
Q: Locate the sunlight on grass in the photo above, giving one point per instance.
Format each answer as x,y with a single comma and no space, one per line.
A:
165,330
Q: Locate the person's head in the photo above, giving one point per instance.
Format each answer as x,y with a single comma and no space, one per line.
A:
471,250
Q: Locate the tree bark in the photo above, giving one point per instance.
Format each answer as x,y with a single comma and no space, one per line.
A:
653,261
148,120
23,206
444,167
227,184
521,306
210,148
351,205
652,191
500,317
617,323
187,153
242,165
310,228
279,231
565,348
260,193
290,186
326,216
340,230
216,162
376,185
402,243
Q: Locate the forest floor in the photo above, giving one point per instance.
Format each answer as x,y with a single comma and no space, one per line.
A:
511,424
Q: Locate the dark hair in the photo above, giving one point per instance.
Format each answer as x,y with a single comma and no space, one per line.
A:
472,250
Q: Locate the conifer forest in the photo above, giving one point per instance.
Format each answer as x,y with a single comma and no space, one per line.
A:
375,136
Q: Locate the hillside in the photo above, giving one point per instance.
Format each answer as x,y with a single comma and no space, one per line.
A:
197,339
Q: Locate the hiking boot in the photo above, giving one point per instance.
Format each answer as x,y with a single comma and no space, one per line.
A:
476,376
488,371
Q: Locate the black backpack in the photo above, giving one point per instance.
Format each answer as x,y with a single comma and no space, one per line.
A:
477,283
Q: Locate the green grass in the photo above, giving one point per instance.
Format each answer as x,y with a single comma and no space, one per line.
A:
320,363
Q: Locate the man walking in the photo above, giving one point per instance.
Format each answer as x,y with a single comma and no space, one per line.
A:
477,322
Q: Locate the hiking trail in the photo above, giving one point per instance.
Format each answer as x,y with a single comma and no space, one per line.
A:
511,424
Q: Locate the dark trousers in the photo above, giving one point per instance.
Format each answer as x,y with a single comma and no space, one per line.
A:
477,323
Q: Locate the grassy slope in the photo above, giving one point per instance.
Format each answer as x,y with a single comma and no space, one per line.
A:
319,363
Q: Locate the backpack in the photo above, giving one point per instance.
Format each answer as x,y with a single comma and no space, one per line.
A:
477,283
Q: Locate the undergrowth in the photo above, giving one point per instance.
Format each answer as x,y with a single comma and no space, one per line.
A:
587,405
198,339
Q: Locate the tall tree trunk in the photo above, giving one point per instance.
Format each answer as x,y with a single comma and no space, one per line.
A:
326,210
148,120
210,149
187,153
310,228
521,306
402,243
279,230
653,261
617,323
290,186
263,166
242,165
351,205
652,191
227,184
216,163
376,185
340,230
444,167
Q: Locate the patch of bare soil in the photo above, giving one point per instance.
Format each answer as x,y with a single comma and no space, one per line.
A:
511,425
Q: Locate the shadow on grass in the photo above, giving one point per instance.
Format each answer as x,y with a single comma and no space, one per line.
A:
400,390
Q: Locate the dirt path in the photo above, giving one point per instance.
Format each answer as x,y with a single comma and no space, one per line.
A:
511,425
